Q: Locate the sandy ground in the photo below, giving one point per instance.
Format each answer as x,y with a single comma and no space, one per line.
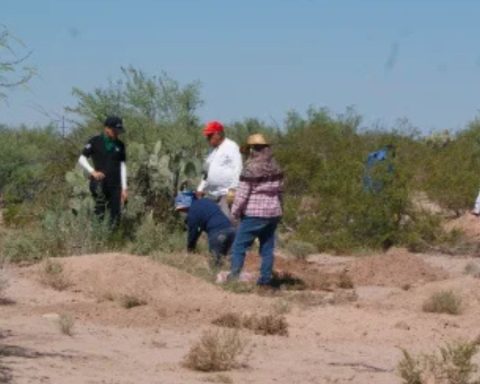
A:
352,340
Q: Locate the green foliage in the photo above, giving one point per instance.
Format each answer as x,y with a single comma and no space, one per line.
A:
28,160
323,159
13,71
300,249
453,179
156,237
326,206
18,247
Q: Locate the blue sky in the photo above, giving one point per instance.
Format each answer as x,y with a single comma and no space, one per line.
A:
390,59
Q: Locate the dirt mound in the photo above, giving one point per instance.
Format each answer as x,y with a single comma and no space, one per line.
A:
468,224
164,293
300,274
398,267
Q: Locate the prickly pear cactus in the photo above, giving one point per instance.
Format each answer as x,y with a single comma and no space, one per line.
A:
154,178
162,172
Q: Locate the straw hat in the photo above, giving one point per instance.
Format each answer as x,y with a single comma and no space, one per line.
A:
257,139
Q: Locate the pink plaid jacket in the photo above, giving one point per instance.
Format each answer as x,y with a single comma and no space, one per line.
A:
258,197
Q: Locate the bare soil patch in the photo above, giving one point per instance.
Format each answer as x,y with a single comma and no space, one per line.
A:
468,224
397,268
166,294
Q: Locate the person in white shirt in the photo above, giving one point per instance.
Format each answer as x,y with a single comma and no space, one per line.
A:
222,168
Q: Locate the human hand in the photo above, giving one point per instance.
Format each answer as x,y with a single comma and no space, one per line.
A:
124,196
98,176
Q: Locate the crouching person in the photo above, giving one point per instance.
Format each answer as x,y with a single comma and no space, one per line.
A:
258,204
206,215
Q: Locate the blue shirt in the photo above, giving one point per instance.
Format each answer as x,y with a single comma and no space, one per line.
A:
204,215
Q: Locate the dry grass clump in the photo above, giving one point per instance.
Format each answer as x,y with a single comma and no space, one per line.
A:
266,324
66,323
443,302
270,324
344,281
128,301
52,275
451,365
216,351
472,269
301,249
228,320
3,281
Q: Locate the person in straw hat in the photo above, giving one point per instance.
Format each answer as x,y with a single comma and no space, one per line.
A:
258,206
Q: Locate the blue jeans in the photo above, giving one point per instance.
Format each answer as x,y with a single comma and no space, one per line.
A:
220,243
251,228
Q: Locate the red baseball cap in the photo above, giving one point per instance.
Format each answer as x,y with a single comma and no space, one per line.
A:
212,127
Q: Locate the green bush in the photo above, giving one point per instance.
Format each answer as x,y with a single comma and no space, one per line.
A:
300,249
156,237
328,206
20,246
453,180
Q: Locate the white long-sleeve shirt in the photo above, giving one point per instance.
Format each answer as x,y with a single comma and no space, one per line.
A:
83,161
223,166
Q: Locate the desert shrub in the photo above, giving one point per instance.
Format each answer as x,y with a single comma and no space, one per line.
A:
443,302
452,180
128,301
25,245
472,269
52,275
451,365
410,369
67,233
423,231
66,323
323,158
271,324
300,249
157,237
229,320
216,351
59,233
345,281
266,324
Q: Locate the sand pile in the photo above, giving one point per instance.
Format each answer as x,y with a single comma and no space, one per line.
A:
168,294
395,268
468,224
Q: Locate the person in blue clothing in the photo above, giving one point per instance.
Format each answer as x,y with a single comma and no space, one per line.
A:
204,215
379,168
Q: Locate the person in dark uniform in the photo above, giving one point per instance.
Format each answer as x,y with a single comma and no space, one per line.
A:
205,215
108,176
